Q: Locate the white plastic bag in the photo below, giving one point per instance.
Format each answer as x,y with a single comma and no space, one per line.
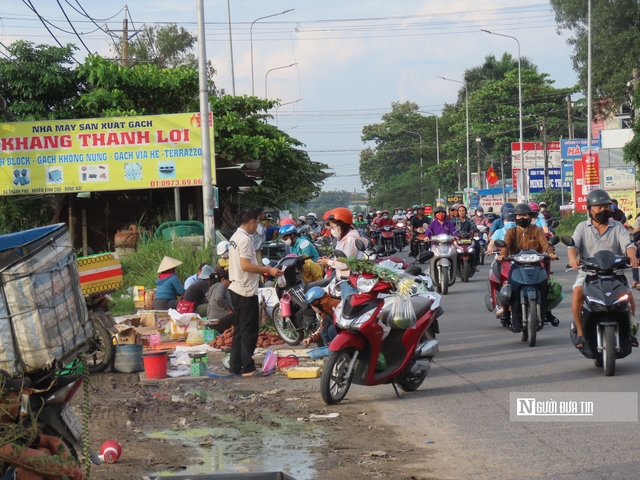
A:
402,313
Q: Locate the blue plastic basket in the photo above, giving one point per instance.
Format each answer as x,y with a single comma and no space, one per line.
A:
128,358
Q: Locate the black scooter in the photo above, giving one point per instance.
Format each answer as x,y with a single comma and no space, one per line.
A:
526,291
606,312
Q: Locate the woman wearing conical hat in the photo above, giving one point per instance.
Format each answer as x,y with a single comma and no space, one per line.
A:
168,285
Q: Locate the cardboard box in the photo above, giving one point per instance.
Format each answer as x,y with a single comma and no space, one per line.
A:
157,319
138,297
130,335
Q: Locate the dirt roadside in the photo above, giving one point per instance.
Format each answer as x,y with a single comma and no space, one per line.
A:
185,426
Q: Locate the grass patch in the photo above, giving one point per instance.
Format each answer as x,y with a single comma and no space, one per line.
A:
567,225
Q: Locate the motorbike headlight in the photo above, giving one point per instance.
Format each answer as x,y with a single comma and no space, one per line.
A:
470,249
365,285
351,323
595,300
623,298
529,258
444,250
459,249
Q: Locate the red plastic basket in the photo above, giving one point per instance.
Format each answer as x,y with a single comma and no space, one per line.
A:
288,361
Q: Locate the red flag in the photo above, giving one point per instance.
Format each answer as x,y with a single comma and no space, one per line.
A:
492,176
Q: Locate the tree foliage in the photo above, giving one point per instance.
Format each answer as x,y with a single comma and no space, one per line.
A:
615,43
491,70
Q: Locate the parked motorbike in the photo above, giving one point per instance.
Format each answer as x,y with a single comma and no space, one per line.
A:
387,238
606,312
443,264
357,347
465,246
481,242
101,348
400,235
526,290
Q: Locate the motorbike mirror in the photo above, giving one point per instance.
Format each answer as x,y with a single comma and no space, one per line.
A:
360,245
555,223
500,243
629,217
392,251
339,254
554,240
326,241
378,249
636,236
266,262
568,241
425,256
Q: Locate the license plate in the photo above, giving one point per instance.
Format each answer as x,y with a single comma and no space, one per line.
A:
72,422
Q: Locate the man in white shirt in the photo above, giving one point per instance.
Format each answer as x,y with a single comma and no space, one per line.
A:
244,274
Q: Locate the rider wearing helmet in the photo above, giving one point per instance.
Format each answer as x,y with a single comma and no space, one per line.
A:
298,244
409,213
481,219
441,224
498,222
417,221
544,210
453,211
536,219
323,304
311,228
399,216
385,220
527,236
509,220
598,232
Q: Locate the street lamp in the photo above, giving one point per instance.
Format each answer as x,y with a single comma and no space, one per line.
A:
282,105
466,89
251,41
421,172
521,190
266,74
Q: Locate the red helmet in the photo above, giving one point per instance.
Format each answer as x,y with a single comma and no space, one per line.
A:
342,214
325,217
287,221
534,206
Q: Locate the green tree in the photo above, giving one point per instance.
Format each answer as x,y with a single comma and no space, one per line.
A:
615,43
165,46
492,70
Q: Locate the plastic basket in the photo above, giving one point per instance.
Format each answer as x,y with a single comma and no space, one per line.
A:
128,358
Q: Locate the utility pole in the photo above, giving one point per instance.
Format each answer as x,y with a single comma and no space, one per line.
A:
479,165
125,37
459,179
634,112
545,153
570,120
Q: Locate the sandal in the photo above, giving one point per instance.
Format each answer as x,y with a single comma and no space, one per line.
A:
635,284
634,342
579,341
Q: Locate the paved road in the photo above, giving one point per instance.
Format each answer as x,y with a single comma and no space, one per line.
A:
458,421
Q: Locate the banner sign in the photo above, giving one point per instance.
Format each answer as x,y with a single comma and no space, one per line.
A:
619,178
451,199
567,174
536,179
101,154
626,200
591,165
572,149
534,155
495,202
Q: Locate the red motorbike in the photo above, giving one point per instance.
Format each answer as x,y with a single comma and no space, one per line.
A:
355,351
387,239
498,277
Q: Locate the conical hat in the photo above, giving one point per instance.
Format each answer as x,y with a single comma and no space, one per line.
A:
168,263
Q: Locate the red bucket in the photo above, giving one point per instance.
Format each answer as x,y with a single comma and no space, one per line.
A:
155,364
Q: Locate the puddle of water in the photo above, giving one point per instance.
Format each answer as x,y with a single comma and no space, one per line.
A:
289,448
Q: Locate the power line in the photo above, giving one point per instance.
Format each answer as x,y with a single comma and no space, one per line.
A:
72,27
33,9
86,15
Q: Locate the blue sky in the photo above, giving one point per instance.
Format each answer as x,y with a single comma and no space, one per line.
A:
354,58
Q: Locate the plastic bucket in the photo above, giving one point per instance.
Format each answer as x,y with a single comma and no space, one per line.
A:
285,305
155,364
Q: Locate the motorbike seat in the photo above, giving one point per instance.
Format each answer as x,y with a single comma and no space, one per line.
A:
413,270
421,305
320,283
495,267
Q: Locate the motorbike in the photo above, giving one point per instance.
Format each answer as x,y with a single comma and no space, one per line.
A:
498,276
400,235
101,348
374,234
443,264
526,290
606,313
481,242
362,230
421,244
465,246
356,349
387,238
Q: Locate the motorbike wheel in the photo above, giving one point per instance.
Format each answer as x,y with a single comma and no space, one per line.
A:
444,280
410,384
286,329
609,352
102,349
532,324
465,271
333,384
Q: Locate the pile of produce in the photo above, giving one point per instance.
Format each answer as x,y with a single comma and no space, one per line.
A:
265,339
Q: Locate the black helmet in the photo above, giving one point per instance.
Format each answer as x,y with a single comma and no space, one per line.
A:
598,197
508,215
506,205
479,209
522,209
439,209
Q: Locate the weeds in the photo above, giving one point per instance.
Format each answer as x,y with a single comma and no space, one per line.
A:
567,225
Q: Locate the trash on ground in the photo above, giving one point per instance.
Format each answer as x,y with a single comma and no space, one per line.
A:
303,372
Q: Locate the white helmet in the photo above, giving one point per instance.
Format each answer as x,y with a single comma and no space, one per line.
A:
222,247
312,215
301,217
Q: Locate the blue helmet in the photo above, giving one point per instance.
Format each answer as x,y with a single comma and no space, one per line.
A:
314,294
508,215
287,230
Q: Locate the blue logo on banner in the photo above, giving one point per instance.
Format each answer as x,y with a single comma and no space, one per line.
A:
573,148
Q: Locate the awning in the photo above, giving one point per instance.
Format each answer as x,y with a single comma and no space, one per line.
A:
229,174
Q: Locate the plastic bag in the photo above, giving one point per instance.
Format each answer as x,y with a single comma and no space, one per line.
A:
402,313
555,295
195,338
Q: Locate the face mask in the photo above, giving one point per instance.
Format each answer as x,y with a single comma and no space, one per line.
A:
542,209
614,207
409,212
479,214
399,212
225,254
288,242
335,232
385,216
508,225
440,216
602,217
523,222
310,222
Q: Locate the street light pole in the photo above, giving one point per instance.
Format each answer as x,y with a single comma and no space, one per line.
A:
251,42
521,190
266,74
233,76
421,171
466,89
